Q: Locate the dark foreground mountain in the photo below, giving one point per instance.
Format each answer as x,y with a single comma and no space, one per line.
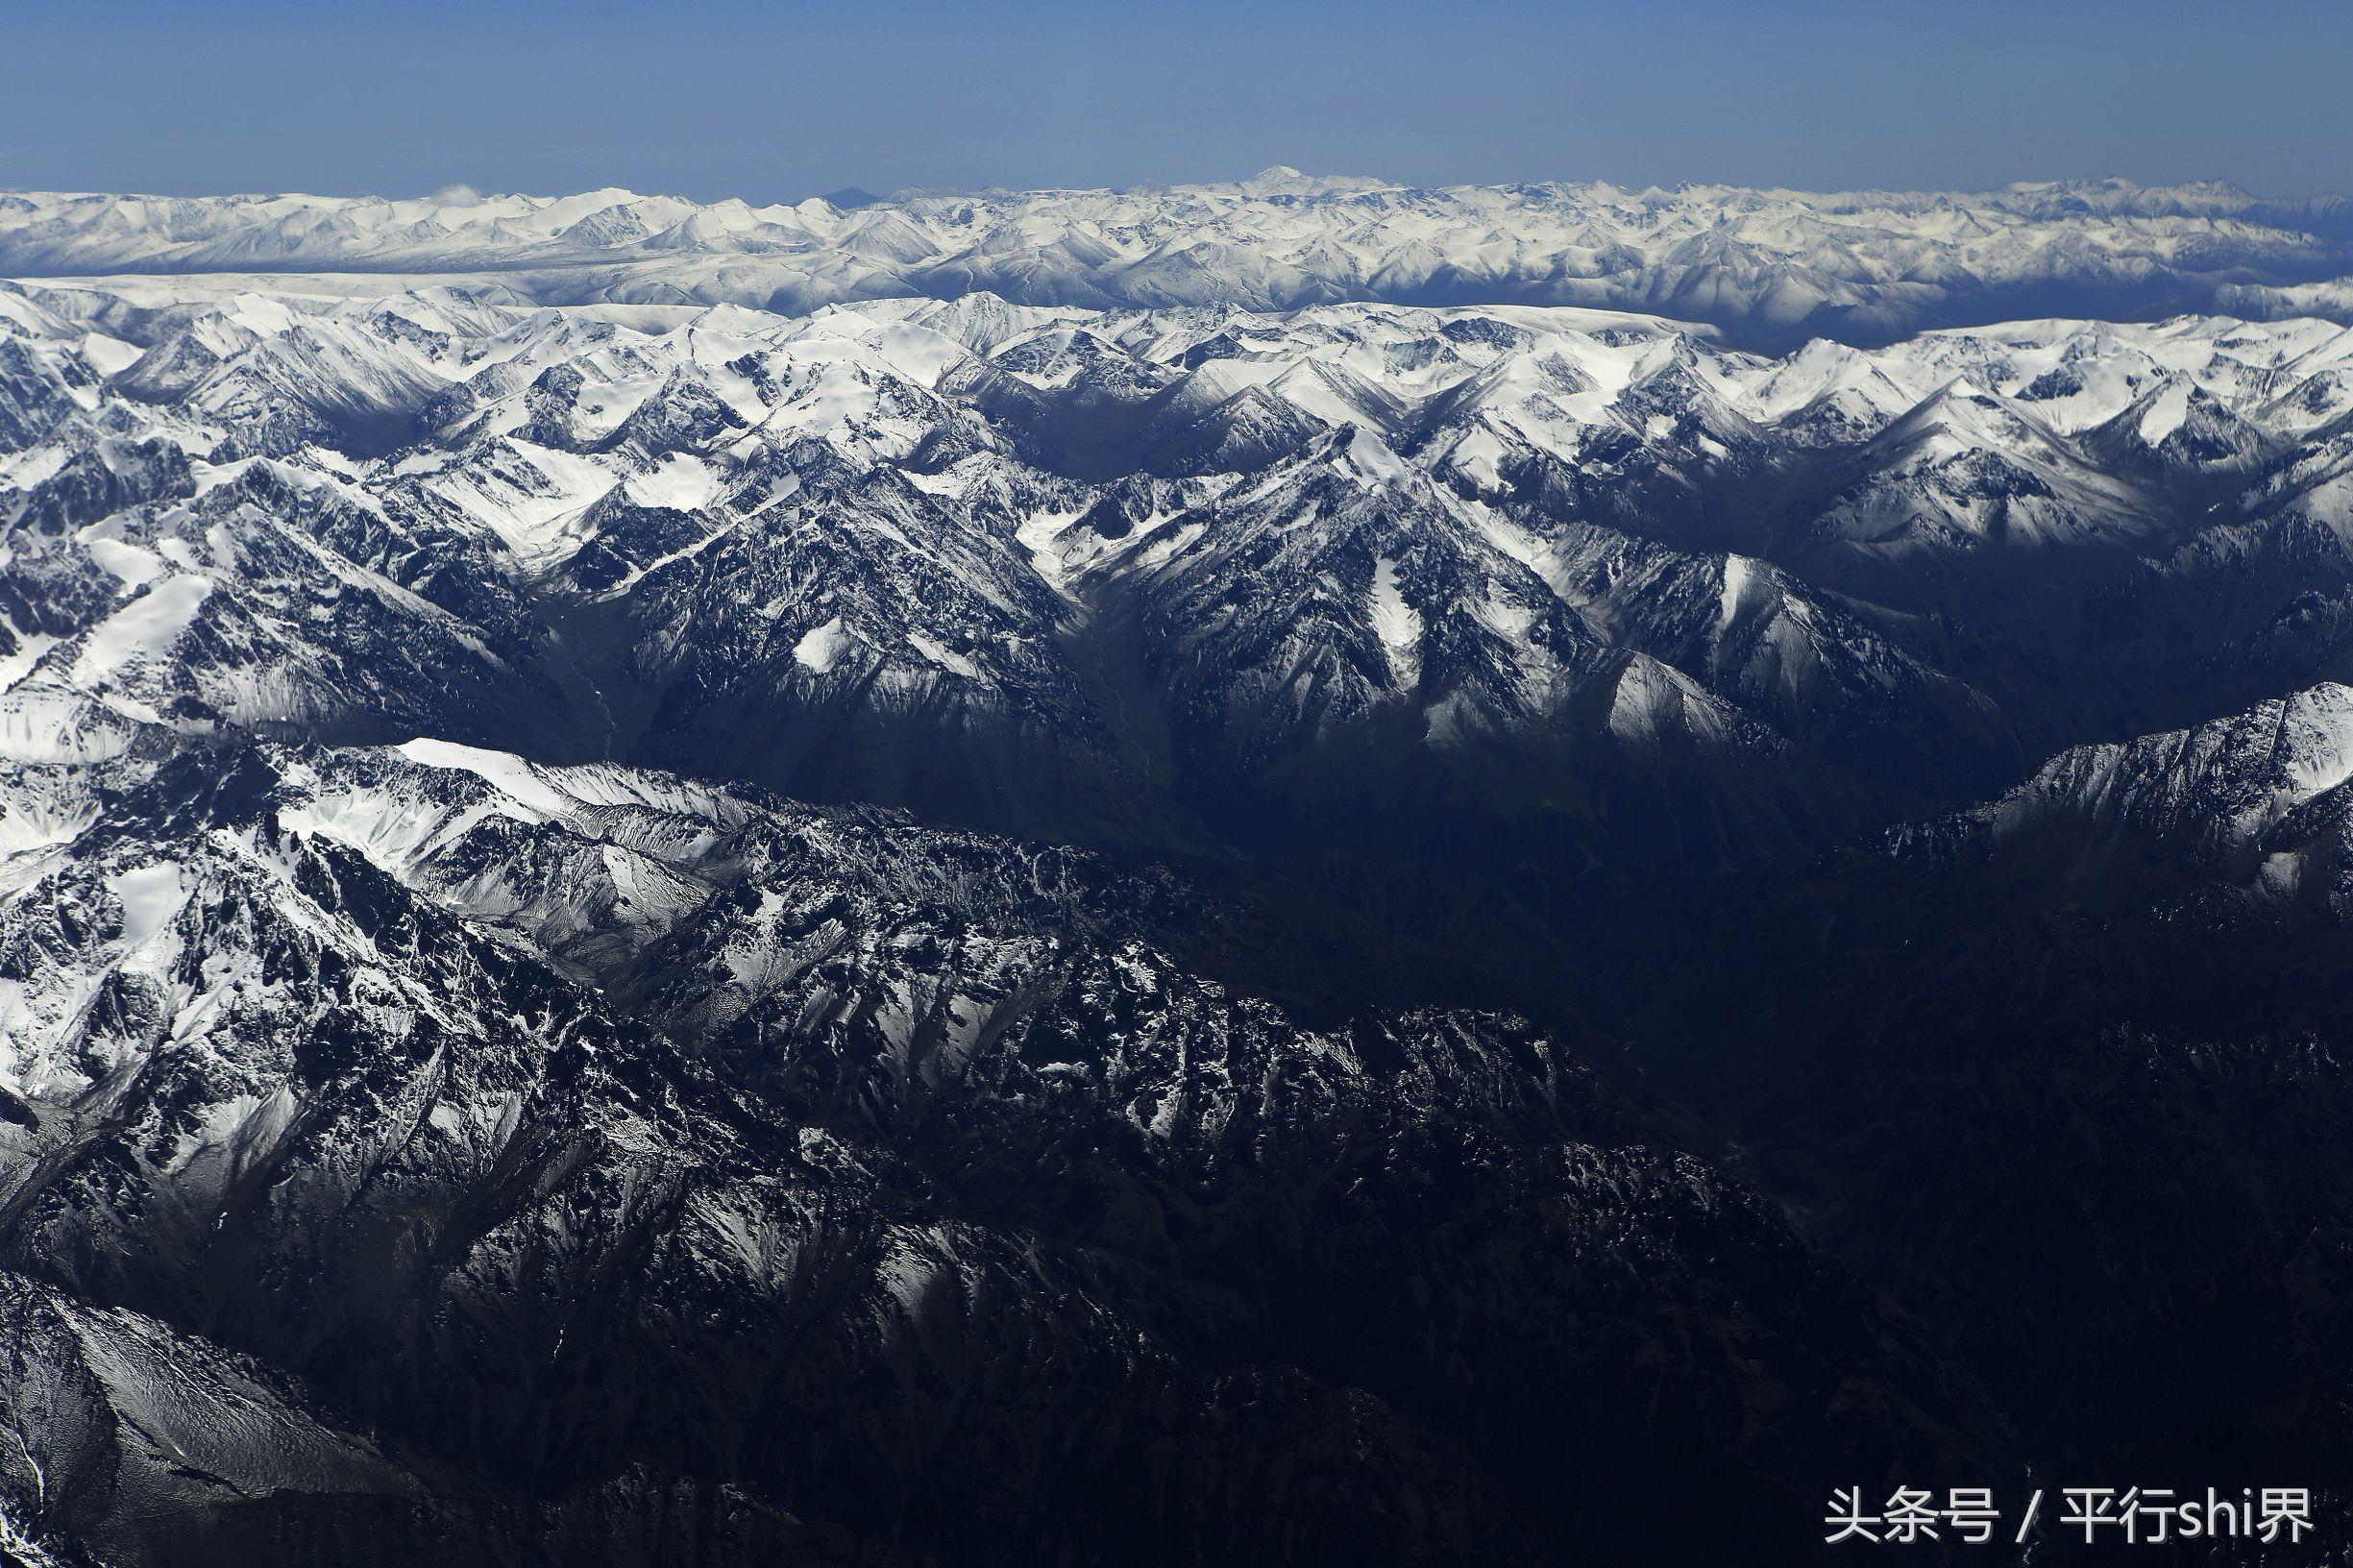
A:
2065,1073
421,1153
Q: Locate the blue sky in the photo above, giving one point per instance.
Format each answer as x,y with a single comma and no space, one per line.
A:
707,98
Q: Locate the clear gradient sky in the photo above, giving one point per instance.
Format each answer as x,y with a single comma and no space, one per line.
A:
708,98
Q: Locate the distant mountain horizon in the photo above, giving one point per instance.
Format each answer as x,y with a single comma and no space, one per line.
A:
1770,268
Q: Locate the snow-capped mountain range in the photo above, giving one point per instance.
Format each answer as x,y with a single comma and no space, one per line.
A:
975,878
1773,267
1088,571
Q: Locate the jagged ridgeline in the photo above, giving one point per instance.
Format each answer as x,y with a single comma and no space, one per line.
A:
1261,883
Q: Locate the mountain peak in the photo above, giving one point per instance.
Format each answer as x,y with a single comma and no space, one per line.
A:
1282,179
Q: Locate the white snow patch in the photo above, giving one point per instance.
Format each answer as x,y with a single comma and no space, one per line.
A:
1367,456
946,657
683,483
135,566
820,648
517,779
1041,535
1736,585
151,896
148,625
109,355
1396,623
30,646
2166,413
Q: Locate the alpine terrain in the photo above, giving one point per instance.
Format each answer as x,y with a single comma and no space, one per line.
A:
1294,871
